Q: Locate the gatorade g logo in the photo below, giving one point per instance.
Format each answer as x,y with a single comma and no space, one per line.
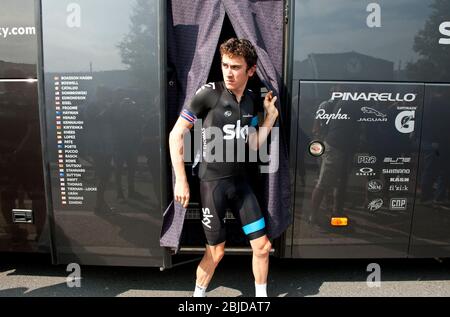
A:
405,121
235,131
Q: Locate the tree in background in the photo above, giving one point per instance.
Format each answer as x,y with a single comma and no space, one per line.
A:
434,60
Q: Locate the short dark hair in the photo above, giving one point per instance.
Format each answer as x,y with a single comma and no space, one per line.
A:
240,47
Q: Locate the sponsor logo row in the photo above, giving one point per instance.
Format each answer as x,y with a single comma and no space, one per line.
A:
376,186
368,171
395,204
395,167
404,121
370,159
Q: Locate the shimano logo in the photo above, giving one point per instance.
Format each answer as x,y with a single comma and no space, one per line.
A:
373,96
396,171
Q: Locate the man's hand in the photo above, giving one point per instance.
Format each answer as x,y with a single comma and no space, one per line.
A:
181,193
269,104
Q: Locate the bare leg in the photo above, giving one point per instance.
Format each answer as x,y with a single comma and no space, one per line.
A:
208,264
260,262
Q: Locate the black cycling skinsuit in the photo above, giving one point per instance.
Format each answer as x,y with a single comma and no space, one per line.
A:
223,182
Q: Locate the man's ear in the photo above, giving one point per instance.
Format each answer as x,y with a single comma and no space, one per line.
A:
251,71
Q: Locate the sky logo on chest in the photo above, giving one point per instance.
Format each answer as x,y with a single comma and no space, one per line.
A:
237,131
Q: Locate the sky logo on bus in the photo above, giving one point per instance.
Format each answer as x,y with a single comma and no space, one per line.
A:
375,204
444,28
405,121
398,204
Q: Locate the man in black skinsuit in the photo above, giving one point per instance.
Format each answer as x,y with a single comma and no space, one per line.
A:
228,113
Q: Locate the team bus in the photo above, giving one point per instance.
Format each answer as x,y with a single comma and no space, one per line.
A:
89,90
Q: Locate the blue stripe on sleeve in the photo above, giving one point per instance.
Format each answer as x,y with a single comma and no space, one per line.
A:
254,226
254,122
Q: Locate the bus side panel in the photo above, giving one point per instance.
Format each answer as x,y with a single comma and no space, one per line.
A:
357,47
366,173
22,197
431,223
104,97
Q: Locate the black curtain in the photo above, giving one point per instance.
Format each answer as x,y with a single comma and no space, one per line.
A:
193,32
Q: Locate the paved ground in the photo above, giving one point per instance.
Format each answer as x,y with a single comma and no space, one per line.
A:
32,275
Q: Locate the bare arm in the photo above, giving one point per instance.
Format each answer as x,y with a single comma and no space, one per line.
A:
257,139
176,145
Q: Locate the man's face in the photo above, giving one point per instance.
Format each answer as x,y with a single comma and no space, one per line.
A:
235,72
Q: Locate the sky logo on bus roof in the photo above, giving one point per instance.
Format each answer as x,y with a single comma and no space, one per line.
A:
373,96
444,28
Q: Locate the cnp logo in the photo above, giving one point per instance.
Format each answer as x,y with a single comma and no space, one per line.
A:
405,121
398,204
235,131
